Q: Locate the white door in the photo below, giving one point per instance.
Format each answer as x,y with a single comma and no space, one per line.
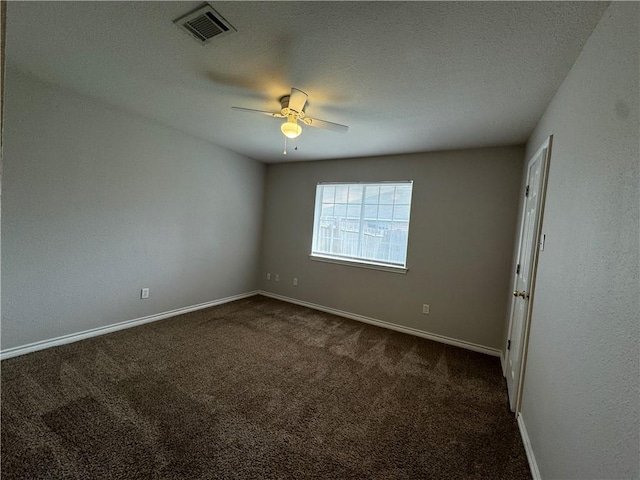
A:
528,245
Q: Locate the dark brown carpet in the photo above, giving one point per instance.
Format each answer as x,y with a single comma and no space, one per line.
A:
257,389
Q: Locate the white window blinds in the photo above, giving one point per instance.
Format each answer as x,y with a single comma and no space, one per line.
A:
363,222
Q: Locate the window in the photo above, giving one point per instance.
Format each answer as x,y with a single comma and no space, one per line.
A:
365,223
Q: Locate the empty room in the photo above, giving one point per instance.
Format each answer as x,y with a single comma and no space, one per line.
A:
320,240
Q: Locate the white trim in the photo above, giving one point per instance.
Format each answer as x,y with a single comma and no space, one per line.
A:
533,465
94,332
503,364
358,263
392,326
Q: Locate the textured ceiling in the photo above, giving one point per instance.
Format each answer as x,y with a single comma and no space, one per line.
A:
405,76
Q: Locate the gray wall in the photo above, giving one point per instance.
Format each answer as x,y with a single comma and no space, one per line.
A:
581,394
460,241
98,203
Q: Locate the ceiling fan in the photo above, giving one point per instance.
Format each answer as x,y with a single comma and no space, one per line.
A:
292,108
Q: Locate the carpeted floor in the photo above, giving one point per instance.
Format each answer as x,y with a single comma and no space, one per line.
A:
257,389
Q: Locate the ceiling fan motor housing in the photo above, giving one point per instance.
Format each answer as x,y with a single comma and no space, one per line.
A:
286,111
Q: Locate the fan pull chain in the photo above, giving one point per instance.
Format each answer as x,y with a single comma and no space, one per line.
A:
284,152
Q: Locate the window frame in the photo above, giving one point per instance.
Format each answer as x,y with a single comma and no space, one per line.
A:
354,261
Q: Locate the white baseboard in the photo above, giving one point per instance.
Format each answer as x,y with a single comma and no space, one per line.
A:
94,332
533,465
392,326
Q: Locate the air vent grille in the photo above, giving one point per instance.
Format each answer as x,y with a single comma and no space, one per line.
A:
204,23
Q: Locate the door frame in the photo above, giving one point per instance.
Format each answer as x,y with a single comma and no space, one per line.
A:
537,235
3,45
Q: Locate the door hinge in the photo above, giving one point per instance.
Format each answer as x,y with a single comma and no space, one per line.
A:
508,344
526,193
518,269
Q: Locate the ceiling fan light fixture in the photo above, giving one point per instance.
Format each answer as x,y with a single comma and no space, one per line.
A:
290,128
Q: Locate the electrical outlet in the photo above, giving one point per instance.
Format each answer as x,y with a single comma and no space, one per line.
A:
295,282
268,276
425,309
277,277
144,293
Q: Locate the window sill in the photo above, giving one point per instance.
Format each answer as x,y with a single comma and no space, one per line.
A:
353,263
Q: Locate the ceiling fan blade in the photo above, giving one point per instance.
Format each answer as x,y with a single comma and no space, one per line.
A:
297,100
336,127
251,110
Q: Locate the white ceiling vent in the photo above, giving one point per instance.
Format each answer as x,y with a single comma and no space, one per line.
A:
204,23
